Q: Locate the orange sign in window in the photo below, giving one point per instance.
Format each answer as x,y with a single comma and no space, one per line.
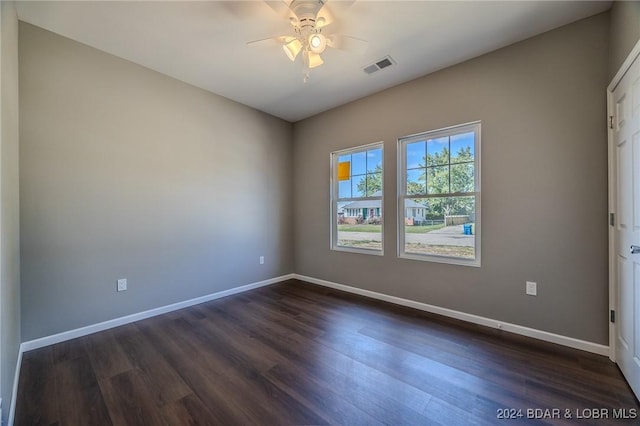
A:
344,170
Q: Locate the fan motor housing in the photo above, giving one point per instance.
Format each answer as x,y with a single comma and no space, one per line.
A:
306,9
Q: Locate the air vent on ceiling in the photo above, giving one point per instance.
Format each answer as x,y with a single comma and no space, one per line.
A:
385,62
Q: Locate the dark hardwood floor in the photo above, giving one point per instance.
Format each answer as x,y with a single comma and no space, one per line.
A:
295,353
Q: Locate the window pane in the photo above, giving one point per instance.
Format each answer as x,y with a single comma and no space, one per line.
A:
415,211
359,163
438,151
438,180
374,161
446,229
374,185
416,152
358,186
344,189
462,177
361,225
462,147
415,181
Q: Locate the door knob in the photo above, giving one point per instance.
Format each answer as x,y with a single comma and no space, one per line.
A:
635,249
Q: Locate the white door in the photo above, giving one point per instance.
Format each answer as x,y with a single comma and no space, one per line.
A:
625,102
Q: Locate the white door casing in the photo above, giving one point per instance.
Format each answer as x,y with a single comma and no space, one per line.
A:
624,160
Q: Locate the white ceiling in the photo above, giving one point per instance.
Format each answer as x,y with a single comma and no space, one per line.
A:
204,43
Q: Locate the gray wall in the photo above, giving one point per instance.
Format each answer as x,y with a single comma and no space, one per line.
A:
9,215
9,212
544,183
625,32
126,173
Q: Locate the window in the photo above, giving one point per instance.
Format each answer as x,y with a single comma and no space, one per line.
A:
356,199
439,195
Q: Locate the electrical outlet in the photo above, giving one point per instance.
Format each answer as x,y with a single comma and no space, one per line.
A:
122,284
262,260
532,288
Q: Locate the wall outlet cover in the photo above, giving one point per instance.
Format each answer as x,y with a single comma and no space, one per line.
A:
532,288
122,284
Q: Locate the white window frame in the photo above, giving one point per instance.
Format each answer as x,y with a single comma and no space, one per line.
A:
474,126
334,199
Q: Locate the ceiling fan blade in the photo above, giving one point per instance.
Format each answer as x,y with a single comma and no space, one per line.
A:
324,17
340,6
348,43
271,41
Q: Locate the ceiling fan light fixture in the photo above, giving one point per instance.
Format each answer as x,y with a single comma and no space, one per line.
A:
314,59
317,43
292,48
308,19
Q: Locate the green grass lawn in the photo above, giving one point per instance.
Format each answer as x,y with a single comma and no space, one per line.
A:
422,229
377,228
360,228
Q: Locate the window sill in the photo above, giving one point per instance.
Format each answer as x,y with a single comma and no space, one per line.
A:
358,251
441,259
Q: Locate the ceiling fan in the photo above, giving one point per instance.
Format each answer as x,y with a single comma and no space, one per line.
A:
309,18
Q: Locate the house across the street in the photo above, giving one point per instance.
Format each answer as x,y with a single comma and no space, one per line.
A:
370,210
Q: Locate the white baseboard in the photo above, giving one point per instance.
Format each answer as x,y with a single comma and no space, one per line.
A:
488,322
94,328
